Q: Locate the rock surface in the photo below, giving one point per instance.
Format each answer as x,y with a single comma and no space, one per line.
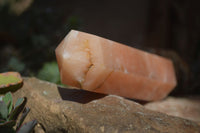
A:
71,110
188,108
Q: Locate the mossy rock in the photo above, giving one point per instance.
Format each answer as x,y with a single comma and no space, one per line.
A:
10,81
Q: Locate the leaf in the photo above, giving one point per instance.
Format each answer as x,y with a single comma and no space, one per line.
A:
2,121
19,106
3,110
10,81
1,98
9,101
23,116
19,101
7,97
49,72
15,64
8,124
9,107
27,127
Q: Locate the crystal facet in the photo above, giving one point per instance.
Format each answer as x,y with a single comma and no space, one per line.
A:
96,64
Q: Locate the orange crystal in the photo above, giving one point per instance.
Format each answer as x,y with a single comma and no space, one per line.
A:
96,64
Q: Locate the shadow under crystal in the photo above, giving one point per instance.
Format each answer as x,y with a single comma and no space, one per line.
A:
78,95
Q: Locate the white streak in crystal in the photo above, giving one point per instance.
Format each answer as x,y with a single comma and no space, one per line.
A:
74,34
110,42
125,70
66,55
80,79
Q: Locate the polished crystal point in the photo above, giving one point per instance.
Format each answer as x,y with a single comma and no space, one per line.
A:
96,64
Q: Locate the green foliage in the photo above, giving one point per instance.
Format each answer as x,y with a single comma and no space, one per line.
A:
74,22
3,110
9,101
9,79
10,113
50,72
15,64
29,39
10,82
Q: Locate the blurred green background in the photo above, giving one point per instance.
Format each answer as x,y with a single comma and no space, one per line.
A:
29,33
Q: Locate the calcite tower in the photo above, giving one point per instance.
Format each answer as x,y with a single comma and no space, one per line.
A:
96,64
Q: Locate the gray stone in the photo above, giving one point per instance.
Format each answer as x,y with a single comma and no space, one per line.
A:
72,110
188,107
